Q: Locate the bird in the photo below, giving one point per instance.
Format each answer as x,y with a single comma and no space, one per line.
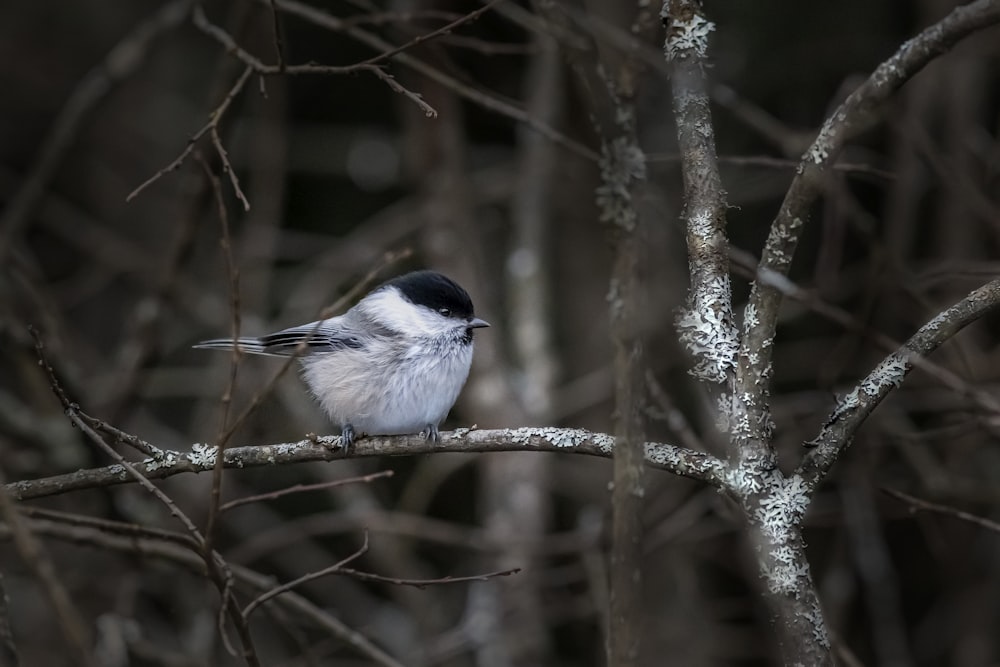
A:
393,364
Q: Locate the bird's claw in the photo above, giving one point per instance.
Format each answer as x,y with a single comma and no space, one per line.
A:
347,437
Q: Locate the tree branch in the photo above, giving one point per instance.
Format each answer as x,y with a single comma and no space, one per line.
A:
493,103
705,326
211,127
854,115
852,410
620,180
608,77
201,458
920,505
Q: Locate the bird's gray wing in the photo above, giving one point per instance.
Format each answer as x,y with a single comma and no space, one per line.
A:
316,337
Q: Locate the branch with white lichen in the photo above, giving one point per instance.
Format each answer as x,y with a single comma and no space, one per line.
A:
853,408
855,114
705,327
201,458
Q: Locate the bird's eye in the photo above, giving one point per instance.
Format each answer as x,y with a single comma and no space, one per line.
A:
445,311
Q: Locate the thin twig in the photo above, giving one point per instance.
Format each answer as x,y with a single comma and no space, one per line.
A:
397,87
303,488
232,274
749,267
927,506
486,100
214,119
279,46
850,168
133,441
122,528
228,167
424,583
790,142
443,30
405,17
284,588
370,65
672,415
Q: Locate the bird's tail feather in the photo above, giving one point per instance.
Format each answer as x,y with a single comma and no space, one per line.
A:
248,345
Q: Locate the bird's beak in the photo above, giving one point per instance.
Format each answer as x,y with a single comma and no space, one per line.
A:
476,323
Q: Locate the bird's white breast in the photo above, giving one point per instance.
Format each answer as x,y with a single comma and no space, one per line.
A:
389,388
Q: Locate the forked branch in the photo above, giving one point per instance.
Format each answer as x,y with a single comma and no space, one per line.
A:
855,114
852,409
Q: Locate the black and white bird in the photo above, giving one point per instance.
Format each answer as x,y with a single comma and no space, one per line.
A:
393,364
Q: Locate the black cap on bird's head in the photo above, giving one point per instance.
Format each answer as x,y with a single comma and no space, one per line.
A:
439,293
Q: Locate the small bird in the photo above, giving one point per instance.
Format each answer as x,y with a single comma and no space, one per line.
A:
393,364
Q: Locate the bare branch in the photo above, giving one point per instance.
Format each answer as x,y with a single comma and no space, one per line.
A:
232,273
227,167
443,30
214,119
368,65
303,488
424,583
319,17
128,530
397,87
609,78
122,437
668,412
917,504
284,588
279,46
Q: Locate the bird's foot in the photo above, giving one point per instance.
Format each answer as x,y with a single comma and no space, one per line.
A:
347,436
431,433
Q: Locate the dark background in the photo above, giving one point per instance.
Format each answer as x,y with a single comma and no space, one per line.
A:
340,170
